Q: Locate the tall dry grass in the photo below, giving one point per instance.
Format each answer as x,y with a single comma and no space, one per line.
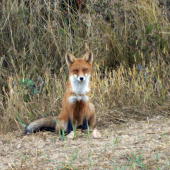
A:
130,42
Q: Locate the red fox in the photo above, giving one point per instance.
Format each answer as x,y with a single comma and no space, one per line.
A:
76,110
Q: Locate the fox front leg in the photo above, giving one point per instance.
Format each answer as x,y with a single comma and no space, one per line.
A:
69,126
84,125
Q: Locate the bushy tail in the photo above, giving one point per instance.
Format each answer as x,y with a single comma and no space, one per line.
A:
48,123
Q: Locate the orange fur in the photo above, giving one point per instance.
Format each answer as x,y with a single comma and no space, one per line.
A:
75,105
79,109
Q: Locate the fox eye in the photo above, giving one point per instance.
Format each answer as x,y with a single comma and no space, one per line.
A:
75,70
85,69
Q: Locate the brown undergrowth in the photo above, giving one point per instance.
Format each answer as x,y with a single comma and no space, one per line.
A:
129,40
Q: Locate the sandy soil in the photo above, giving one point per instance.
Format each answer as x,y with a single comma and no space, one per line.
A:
139,145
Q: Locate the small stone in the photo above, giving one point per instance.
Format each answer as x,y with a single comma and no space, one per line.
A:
70,135
96,134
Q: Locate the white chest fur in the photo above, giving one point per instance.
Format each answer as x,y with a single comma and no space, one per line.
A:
75,98
79,89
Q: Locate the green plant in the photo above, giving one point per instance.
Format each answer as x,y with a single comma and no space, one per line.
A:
28,85
71,155
136,160
114,142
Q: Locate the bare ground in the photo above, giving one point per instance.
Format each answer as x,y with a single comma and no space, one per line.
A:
139,145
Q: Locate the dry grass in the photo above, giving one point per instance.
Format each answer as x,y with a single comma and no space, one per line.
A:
130,42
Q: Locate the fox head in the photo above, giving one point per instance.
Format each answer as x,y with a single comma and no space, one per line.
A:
79,68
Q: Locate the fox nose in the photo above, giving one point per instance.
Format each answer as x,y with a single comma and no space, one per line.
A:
81,78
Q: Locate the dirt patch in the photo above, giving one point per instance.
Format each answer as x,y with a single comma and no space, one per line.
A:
134,145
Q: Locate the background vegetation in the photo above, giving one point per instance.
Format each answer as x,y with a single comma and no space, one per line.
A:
130,42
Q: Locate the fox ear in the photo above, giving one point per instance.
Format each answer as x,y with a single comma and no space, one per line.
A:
88,57
70,59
